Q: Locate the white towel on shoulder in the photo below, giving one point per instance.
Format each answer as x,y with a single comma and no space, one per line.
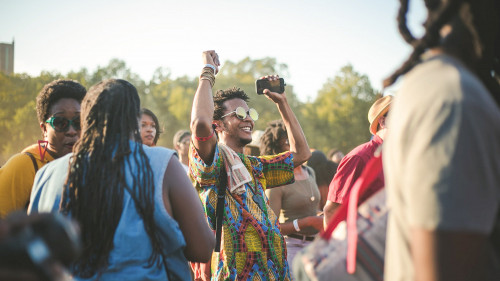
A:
237,173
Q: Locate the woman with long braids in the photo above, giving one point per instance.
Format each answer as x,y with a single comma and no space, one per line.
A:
442,157
140,218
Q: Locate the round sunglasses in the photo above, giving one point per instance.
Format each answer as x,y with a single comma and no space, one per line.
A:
61,124
242,114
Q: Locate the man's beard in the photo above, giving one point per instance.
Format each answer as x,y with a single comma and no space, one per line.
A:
244,142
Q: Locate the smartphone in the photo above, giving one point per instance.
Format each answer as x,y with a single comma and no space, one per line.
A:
277,86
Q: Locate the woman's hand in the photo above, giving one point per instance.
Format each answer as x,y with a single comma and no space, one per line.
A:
316,222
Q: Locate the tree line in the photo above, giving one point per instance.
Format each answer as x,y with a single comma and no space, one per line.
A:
336,118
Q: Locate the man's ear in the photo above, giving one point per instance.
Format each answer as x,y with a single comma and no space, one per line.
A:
381,122
217,126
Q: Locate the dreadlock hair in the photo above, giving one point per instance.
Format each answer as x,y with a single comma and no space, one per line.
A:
54,91
93,193
224,95
481,18
269,142
155,119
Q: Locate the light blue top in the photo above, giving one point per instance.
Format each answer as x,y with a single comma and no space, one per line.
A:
132,246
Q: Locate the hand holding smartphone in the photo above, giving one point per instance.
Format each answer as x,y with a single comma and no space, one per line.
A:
277,86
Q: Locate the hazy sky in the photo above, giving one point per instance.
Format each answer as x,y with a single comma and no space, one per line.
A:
314,38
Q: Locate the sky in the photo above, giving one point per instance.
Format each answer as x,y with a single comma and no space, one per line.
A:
314,38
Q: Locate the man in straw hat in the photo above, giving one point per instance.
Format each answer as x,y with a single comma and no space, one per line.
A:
354,162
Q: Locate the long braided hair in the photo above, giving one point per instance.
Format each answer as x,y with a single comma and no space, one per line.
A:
481,18
94,191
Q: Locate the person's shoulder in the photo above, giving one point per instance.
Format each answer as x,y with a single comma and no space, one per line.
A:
359,150
57,163
252,158
274,158
159,156
310,171
163,152
352,161
158,149
16,160
33,149
439,74
274,162
19,160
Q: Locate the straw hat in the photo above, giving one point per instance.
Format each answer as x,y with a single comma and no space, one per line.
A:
378,109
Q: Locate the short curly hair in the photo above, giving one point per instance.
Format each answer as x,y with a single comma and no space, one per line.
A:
224,95
54,91
269,142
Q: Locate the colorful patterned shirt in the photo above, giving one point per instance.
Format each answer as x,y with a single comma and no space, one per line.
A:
252,247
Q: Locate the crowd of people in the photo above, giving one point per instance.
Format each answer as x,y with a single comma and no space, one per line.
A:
232,203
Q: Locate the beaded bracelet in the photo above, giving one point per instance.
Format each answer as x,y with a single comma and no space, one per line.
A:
204,138
209,78
204,78
207,74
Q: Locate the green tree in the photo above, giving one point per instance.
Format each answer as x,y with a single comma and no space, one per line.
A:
116,68
19,125
338,115
170,99
171,102
243,74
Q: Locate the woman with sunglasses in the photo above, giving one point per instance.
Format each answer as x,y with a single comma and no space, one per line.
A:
295,204
58,111
149,127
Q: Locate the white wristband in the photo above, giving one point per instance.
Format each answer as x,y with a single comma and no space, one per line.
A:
296,225
211,66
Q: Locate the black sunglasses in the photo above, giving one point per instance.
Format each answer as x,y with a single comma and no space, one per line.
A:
61,124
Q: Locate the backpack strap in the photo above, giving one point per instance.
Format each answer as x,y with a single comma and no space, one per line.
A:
371,172
35,165
219,211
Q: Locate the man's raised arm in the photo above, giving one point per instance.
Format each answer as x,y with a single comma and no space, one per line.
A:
296,137
203,109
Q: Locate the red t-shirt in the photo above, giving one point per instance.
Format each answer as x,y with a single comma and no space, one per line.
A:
351,167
